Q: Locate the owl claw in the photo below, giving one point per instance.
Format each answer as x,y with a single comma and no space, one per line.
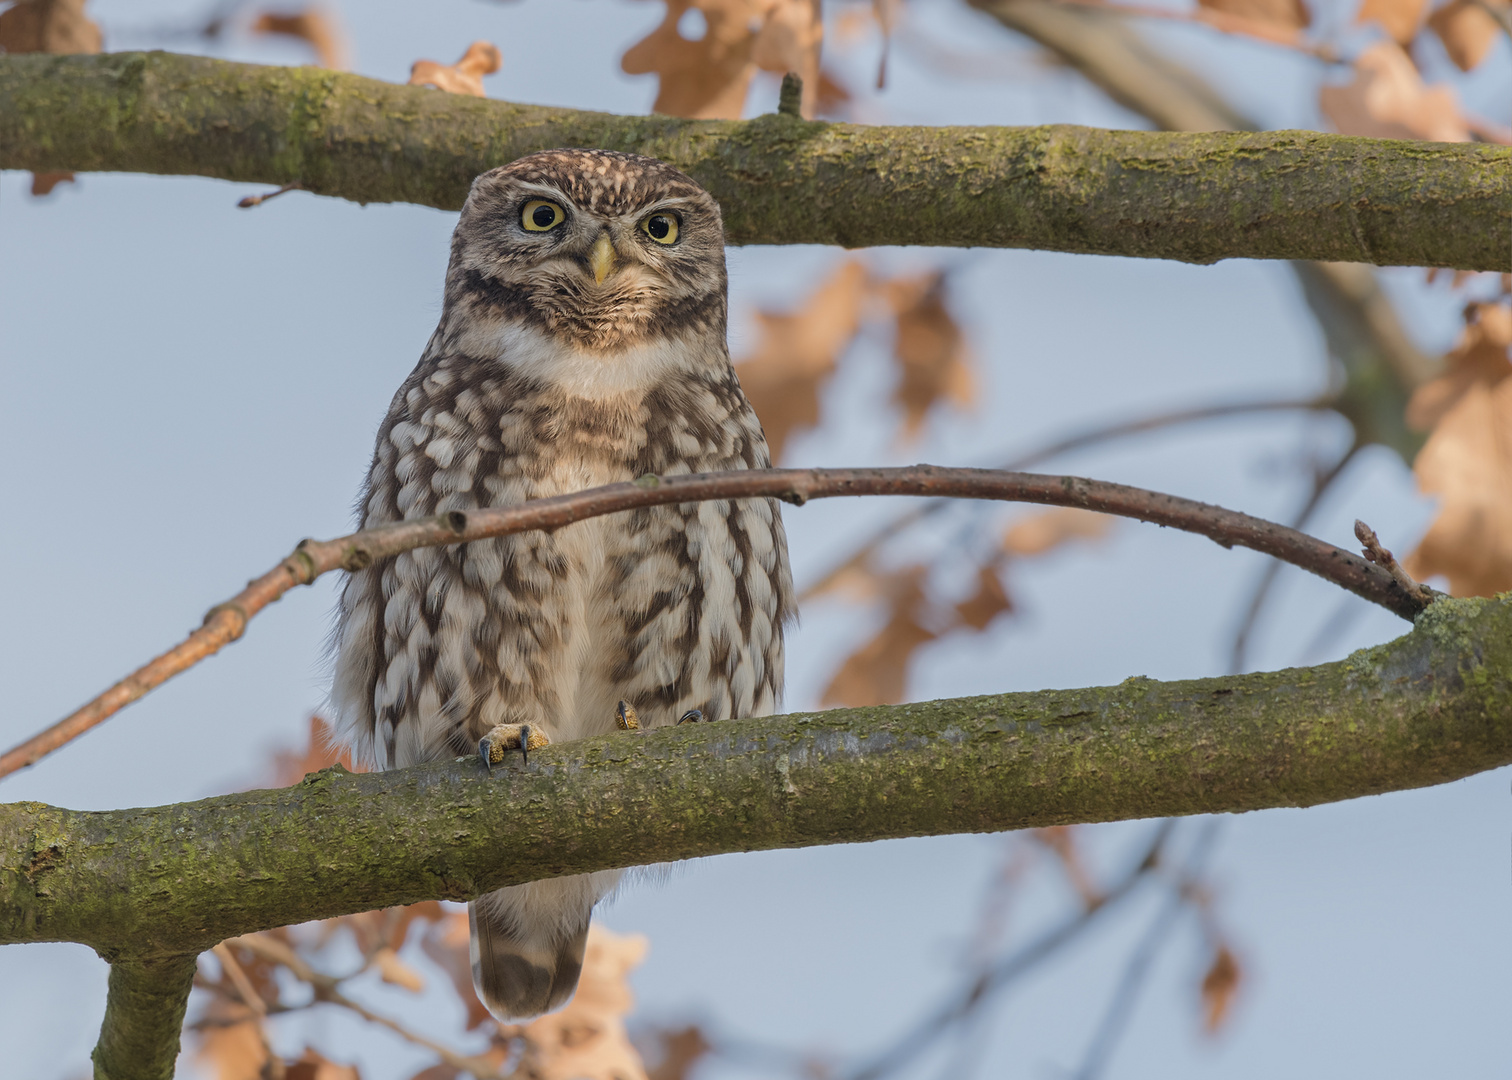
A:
493,747
692,716
625,718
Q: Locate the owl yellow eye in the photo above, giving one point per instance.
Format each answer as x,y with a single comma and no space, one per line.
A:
661,227
538,215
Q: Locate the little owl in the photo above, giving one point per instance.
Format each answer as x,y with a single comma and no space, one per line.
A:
581,342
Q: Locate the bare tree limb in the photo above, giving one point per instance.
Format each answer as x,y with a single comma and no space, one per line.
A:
1196,197
228,621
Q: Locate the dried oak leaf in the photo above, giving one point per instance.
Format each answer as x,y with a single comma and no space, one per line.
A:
312,1065
988,602
1219,986
680,1051
1399,18
1042,532
709,78
1467,30
463,77
316,28
1467,460
1389,100
231,1045
446,943
44,182
796,354
1291,14
396,972
586,1040
931,351
1061,841
49,26
876,673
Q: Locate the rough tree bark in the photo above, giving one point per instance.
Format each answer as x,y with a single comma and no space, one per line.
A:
1196,197
146,886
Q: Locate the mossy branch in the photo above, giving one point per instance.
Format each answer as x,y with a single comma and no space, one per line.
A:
1430,707
1197,197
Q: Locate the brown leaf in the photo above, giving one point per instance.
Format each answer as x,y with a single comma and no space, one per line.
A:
316,28
396,972
680,1051
1480,356
1049,529
463,77
440,1071
1467,31
314,1066
44,182
930,349
586,1040
875,674
1061,840
790,40
1399,18
1467,460
49,26
796,354
988,602
1291,14
709,78
321,752
1389,100
446,943
1219,986
231,1046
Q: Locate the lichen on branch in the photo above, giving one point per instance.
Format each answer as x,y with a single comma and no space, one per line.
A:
1432,706
1196,197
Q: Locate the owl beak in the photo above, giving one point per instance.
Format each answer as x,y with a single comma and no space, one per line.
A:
601,258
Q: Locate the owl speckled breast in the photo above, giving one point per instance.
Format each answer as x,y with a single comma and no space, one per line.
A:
582,342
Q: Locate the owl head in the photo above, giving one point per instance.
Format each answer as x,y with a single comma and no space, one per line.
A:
602,250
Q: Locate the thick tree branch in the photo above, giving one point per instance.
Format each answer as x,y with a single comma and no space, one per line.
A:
144,1013
1194,197
227,622
1430,707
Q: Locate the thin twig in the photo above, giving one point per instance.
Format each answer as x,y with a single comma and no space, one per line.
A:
1222,21
1384,558
327,990
226,622
1079,441
1322,481
249,201
1121,1005
1012,967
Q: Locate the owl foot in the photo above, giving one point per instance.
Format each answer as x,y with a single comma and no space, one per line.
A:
493,747
626,720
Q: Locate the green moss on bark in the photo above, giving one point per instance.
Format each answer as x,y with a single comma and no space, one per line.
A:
1196,197
1430,707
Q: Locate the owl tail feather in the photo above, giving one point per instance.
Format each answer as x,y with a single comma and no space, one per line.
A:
519,975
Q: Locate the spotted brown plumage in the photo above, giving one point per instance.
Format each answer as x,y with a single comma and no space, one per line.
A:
585,353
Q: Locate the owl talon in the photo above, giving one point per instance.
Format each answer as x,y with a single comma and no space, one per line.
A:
495,746
692,716
625,718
